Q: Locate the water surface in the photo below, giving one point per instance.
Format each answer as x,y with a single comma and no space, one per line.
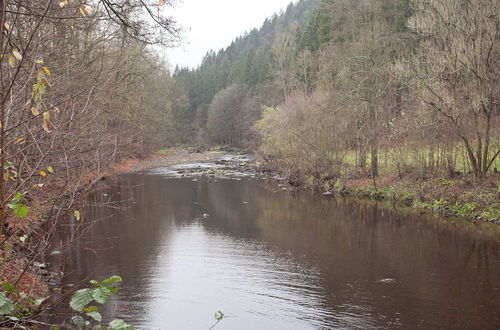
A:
272,259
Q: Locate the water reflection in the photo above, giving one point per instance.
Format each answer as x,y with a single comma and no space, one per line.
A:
279,260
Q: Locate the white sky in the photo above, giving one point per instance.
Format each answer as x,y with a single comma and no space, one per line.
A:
213,24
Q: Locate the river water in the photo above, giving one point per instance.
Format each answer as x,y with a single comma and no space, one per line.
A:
187,246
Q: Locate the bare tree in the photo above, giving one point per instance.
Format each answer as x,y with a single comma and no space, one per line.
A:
456,70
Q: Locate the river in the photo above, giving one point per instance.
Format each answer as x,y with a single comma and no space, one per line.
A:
189,245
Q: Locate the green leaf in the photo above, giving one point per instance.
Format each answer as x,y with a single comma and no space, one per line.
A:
112,279
50,169
120,324
80,299
6,305
91,309
21,210
94,282
79,322
95,315
101,295
113,289
17,198
9,288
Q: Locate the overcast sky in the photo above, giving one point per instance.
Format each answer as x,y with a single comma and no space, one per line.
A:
213,24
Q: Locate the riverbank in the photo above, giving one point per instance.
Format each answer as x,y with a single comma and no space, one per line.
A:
165,157
462,196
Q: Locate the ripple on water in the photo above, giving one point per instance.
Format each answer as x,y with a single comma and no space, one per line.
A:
241,276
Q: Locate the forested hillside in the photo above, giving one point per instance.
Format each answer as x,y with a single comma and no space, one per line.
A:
341,85
239,77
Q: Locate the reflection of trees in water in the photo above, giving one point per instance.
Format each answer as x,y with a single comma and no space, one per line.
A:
130,224
351,245
224,201
355,245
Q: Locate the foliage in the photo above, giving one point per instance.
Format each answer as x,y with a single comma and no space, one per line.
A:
6,305
89,314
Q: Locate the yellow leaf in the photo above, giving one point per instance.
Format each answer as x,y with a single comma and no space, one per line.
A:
39,61
20,140
16,54
87,9
161,3
12,61
38,185
46,127
62,4
6,26
50,169
46,70
76,214
35,111
6,176
46,122
42,173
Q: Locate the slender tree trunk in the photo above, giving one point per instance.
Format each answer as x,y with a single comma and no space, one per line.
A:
471,156
486,166
362,158
374,156
373,142
2,120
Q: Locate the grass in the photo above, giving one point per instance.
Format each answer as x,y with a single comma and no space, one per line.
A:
414,158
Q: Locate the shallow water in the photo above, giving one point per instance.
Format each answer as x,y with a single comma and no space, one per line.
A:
273,259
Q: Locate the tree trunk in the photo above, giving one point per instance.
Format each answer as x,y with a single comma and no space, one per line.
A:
472,157
373,142
362,158
374,157
2,121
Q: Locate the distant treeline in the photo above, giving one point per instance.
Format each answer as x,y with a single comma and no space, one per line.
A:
330,86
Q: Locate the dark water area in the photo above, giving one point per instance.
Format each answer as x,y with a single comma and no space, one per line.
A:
273,259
